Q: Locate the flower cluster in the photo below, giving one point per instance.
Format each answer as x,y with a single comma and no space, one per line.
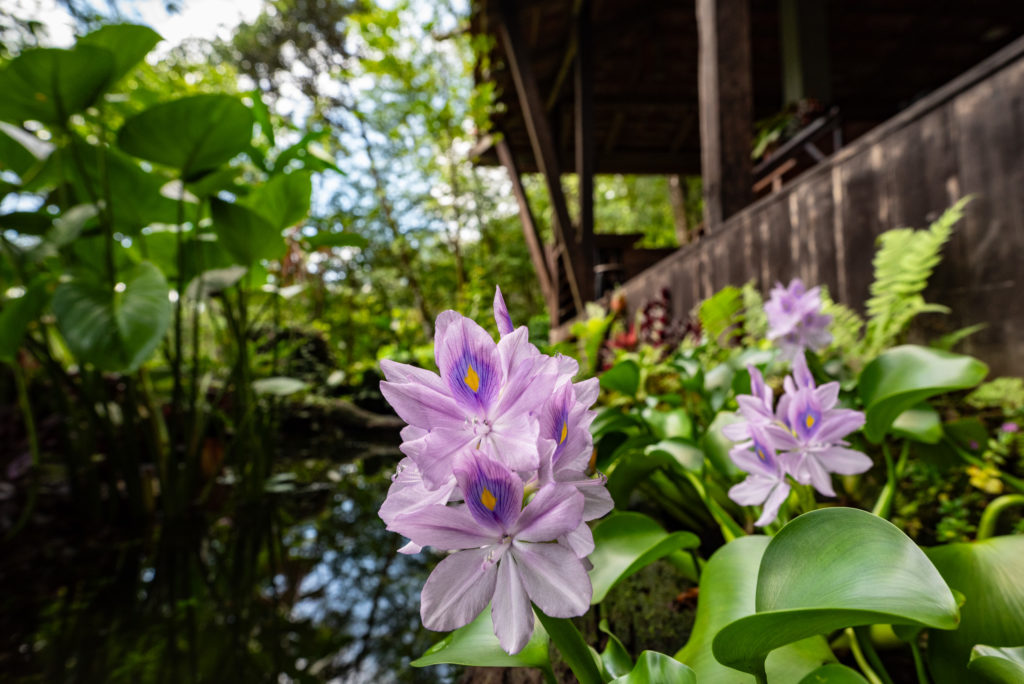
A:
795,321
497,452
801,437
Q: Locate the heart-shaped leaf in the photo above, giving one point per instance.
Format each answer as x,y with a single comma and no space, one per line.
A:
246,235
50,84
128,43
990,574
191,134
674,423
18,313
834,673
904,376
623,377
475,644
727,591
990,665
283,200
835,568
626,542
657,668
114,328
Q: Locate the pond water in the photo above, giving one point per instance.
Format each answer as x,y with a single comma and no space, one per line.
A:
304,584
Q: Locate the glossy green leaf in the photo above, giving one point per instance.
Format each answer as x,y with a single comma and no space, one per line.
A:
674,423
18,313
657,668
835,568
632,464
991,665
921,423
716,446
990,574
114,328
834,673
50,84
475,644
204,253
623,377
128,43
615,657
246,235
581,658
191,134
683,452
728,585
626,542
905,376
283,200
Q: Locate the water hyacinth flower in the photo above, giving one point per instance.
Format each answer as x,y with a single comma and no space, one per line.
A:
504,553
500,426
795,321
801,438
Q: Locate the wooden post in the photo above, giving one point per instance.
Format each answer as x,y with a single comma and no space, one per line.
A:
533,241
538,128
584,124
726,107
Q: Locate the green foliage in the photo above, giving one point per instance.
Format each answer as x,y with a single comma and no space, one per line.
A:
720,313
904,262
1006,394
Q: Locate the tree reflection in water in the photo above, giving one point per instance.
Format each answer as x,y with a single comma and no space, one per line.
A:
303,585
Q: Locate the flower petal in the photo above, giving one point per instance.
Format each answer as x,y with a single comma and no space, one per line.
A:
753,491
838,423
422,406
469,362
845,461
554,578
511,613
435,453
446,528
501,317
409,493
493,493
771,505
555,510
580,540
458,590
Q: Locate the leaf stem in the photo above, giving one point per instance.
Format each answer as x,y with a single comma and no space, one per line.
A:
919,668
33,444
893,472
987,525
864,652
574,649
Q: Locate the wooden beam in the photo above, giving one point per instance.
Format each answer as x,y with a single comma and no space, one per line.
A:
584,115
542,141
726,107
533,241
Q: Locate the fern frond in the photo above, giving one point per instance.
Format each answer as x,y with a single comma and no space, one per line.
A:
845,327
720,312
755,322
903,264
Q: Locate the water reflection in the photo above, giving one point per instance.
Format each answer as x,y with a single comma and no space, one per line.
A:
303,585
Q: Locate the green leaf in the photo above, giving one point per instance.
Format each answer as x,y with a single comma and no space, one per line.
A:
835,568
675,423
577,655
623,377
26,222
279,386
658,668
626,542
192,134
128,43
682,451
246,235
727,592
990,665
988,573
283,200
921,423
905,376
834,674
632,464
716,446
18,313
214,281
336,239
21,151
114,328
476,645
615,657
49,84
262,115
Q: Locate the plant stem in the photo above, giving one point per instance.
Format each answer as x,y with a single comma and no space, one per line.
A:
987,525
884,504
919,668
33,446
730,528
864,653
574,649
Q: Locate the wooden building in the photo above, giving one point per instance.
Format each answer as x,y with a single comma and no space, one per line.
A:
921,102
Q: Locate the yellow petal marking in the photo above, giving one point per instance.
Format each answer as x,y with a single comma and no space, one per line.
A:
472,380
565,432
809,421
488,500
760,454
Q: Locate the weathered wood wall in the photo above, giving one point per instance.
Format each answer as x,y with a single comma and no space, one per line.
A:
965,138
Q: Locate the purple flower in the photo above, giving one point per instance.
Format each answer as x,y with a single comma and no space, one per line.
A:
766,482
1009,427
505,554
756,408
795,320
811,430
483,398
